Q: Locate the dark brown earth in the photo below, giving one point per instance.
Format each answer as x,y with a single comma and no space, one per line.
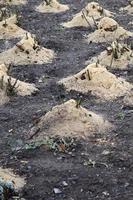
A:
111,177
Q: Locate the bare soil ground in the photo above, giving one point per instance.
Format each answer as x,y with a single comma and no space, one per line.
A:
100,168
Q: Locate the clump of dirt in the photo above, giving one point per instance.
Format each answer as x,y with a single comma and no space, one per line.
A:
108,31
51,6
128,8
13,2
97,80
71,120
117,56
128,99
27,51
9,29
9,86
7,174
87,16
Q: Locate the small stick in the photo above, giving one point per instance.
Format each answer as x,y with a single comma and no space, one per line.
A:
78,103
94,22
97,63
20,47
112,59
86,19
88,74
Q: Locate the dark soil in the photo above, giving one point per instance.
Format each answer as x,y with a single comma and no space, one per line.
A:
111,177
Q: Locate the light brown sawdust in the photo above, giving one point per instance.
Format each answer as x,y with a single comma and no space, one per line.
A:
13,2
11,19
93,11
97,80
128,9
10,29
54,7
22,88
6,13
108,31
68,120
8,175
128,99
3,97
125,58
27,51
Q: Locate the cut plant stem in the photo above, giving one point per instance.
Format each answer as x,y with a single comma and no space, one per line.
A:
11,88
94,22
88,75
112,59
86,19
78,103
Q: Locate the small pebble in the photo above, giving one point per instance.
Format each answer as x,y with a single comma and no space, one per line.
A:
65,183
57,191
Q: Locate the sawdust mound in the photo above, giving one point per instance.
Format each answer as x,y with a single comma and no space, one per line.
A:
8,175
27,51
117,56
68,120
97,80
9,29
6,13
12,19
128,99
84,17
13,2
51,6
128,8
22,88
108,31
